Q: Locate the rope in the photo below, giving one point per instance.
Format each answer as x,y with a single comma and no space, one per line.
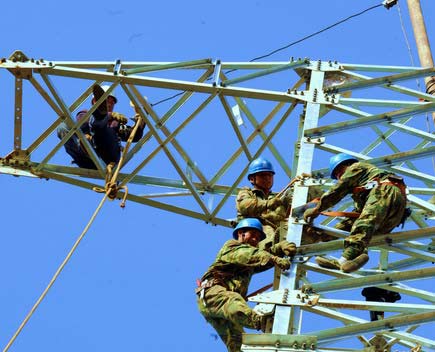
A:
55,276
111,187
292,182
110,191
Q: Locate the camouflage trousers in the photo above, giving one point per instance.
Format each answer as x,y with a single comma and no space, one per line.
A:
228,313
382,212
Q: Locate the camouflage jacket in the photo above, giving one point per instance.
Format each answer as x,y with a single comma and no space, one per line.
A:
356,175
235,264
253,203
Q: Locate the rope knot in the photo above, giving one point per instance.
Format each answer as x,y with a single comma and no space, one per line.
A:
111,190
111,187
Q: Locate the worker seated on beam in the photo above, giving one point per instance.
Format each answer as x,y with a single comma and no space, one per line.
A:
272,209
379,198
223,288
105,130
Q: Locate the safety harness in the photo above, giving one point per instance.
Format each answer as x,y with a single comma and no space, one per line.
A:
200,289
392,180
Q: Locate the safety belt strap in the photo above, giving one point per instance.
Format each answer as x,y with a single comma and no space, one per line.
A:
347,214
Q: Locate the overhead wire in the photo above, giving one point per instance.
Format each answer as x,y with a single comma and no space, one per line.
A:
166,99
313,34
408,46
286,46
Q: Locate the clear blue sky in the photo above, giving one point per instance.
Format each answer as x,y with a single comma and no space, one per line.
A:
129,286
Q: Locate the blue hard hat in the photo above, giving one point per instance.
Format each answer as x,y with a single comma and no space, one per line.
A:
249,223
337,160
260,165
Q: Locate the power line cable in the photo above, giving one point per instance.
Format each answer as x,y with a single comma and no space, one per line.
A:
315,33
288,45
166,99
411,56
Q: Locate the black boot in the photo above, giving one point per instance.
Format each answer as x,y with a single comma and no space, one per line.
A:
101,111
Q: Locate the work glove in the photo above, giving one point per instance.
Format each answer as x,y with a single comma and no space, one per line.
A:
283,248
135,118
260,321
288,248
274,203
282,263
311,214
301,177
119,117
287,196
312,232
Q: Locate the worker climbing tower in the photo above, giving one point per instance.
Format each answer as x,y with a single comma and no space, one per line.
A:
343,112
299,113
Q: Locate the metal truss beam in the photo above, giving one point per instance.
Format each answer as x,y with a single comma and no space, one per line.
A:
230,113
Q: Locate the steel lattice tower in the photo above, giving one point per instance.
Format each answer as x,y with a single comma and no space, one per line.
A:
299,113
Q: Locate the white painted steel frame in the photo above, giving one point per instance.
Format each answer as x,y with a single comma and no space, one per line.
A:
208,83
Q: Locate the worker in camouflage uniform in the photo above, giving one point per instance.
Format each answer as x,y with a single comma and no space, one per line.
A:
380,198
271,208
223,288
